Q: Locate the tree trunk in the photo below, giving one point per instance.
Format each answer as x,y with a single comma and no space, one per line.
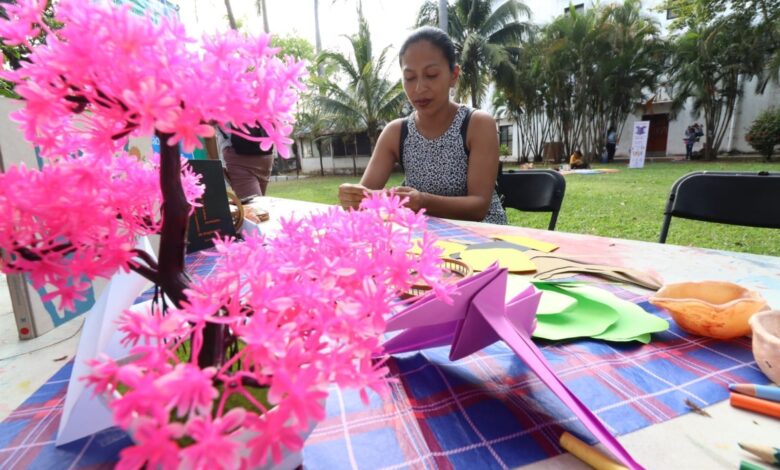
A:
175,215
173,242
317,40
322,164
354,158
443,17
261,4
231,18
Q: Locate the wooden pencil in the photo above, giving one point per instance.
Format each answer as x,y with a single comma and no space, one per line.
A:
589,455
768,454
757,405
767,392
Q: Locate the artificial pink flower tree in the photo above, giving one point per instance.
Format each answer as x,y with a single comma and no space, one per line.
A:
293,313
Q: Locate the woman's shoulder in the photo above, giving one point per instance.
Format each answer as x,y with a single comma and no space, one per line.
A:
394,127
481,119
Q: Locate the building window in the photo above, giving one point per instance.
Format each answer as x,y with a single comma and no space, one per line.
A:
578,8
505,136
670,14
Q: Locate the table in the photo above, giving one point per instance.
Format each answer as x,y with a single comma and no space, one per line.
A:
486,399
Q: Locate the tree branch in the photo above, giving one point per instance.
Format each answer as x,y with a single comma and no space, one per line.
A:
146,258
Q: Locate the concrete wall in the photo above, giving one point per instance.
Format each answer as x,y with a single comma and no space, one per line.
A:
333,166
310,163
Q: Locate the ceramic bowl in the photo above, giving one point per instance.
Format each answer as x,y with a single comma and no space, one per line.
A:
766,343
710,308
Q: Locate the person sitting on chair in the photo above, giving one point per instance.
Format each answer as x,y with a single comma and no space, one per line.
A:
448,152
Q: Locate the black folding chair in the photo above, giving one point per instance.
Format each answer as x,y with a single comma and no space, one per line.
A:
533,191
750,199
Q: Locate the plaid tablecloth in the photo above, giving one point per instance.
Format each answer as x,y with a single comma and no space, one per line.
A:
485,411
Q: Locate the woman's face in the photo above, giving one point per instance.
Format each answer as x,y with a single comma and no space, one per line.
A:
427,77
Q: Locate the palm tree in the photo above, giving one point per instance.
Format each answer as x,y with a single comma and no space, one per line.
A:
443,14
369,99
710,64
485,39
262,10
231,17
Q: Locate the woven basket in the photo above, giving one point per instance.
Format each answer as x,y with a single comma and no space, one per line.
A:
456,270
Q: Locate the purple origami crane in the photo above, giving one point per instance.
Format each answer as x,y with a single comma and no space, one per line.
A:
478,318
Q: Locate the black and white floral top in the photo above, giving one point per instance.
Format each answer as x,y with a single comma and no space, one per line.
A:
440,166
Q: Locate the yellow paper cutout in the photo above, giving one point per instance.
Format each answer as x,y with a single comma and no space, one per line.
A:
528,242
513,260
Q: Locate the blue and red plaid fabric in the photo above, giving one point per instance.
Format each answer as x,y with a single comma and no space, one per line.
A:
485,411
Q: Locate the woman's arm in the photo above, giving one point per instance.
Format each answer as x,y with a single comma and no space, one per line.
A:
380,166
482,141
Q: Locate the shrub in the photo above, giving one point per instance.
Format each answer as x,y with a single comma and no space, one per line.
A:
504,151
764,133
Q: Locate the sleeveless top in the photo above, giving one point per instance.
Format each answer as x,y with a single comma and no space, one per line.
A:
440,166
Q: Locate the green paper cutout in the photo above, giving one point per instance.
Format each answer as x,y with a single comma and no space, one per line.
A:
551,303
598,314
554,303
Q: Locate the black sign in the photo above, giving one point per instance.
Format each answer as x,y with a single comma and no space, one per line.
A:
213,217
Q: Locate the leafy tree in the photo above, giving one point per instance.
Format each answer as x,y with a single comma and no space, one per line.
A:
764,133
582,73
485,39
369,99
710,65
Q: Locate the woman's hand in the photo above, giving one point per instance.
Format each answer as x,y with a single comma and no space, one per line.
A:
350,195
415,202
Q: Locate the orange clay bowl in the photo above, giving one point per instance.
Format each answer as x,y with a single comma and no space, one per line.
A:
766,343
710,308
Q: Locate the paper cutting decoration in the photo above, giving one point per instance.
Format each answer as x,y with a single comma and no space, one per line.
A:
478,318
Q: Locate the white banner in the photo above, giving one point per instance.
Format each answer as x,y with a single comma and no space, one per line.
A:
639,144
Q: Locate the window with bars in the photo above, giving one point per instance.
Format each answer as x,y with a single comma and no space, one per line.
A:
505,136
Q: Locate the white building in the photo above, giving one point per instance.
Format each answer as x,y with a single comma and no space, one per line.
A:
666,132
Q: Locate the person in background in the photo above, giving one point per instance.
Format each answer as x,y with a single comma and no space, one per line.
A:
248,167
611,143
448,152
577,162
690,139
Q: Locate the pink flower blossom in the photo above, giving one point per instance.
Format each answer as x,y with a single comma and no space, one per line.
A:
294,313
155,447
194,389
215,443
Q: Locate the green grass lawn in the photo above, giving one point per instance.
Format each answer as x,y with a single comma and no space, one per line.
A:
627,204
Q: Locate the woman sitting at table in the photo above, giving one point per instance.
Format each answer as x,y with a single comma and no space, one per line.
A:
448,152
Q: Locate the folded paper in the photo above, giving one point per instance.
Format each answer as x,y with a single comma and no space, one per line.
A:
553,265
82,413
478,317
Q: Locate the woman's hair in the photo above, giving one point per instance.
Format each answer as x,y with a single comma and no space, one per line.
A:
435,36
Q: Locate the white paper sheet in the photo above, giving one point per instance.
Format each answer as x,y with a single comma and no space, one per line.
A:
83,413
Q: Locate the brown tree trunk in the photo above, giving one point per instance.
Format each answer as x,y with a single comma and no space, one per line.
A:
175,215
231,18
173,243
